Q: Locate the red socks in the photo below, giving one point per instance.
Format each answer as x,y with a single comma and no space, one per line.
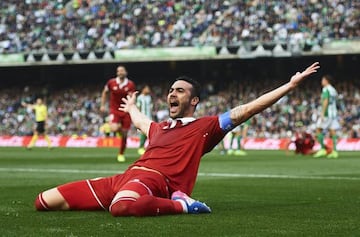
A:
40,204
146,205
122,145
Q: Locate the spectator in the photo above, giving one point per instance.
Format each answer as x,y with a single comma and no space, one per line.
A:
66,25
81,117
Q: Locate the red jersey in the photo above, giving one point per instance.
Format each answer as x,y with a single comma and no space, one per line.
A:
176,150
118,91
304,143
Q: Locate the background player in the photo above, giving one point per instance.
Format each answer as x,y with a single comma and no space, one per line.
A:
304,143
239,133
105,130
328,118
120,121
145,105
40,117
161,181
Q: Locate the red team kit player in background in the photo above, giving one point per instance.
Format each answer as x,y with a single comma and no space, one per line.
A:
304,143
120,121
161,181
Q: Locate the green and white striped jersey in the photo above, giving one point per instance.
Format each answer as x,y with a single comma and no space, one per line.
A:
144,103
329,92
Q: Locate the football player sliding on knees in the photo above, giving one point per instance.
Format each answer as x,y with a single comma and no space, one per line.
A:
162,180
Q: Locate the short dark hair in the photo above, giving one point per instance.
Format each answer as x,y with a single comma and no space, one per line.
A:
195,84
329,78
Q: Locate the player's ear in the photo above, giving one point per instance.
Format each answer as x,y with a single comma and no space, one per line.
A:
195,100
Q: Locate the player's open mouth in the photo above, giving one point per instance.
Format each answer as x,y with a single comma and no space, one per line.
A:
173,106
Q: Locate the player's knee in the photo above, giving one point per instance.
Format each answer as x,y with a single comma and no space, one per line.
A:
114,127
144,206
40,204
121,208
51,200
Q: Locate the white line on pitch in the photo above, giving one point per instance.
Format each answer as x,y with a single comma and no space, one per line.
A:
234,175
278,176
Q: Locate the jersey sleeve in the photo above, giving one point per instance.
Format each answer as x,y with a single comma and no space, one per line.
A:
325,94
153,129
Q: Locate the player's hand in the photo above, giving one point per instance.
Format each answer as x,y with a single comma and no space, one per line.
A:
102,108
129,101
299,77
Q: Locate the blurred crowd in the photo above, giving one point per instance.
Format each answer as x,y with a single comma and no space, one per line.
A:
75,110
77,25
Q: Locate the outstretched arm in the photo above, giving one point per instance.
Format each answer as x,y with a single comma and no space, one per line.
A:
140,120
241,113
31,106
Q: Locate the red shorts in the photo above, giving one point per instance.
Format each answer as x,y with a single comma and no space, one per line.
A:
121,118
98,193
304,151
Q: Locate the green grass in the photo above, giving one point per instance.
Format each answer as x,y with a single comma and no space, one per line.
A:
266,193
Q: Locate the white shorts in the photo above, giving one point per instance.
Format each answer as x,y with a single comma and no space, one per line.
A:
236,129
240,127
328,123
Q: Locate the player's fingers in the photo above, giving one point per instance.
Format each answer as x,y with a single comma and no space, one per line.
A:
312,69
133,94
314,66
122,107
124,100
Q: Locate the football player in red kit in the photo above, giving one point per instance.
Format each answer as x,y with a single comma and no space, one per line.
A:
120,121
304,143
161,181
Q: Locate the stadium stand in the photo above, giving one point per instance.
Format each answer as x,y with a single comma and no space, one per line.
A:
75,110
76,25
45,26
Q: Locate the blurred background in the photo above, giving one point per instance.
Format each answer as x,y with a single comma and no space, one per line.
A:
66,50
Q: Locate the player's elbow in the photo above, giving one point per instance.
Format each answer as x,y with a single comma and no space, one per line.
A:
241,113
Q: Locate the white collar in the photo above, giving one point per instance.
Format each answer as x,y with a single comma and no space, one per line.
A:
184,121
123,83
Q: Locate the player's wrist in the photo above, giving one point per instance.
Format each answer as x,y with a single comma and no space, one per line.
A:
291,85
132,107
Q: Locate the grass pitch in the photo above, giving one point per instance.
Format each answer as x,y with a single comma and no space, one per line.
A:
266,193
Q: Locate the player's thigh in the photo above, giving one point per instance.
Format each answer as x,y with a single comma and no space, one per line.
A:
114,120
334,126
323,123
125,122
40,127
115,127
93,194
143,183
